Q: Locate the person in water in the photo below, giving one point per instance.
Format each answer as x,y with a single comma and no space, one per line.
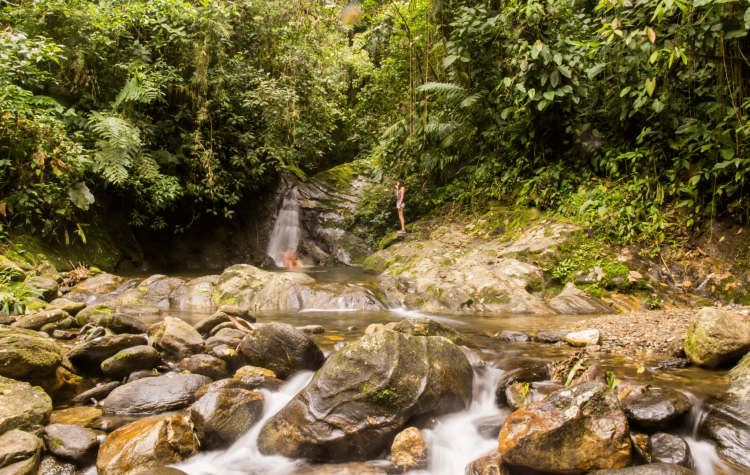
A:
291,261
400,194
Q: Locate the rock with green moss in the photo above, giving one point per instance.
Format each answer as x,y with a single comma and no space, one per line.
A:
45,285
89,355
100,288
133,302
72,442
423,326
158,288
365,394
574,430
92,314
25,354
717,337
574,301
251,288
66,305
137,358
23,406
123,323
391,239
20,453
195,294
35,321
63,324
281,348
175,338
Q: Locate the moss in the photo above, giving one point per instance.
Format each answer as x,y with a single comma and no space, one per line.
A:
387,397
535,285
221,301
490,295
342,175
56,442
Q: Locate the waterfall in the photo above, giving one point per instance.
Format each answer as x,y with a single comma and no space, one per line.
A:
285,235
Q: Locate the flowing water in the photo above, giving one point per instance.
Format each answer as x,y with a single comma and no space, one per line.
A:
286,231
454,439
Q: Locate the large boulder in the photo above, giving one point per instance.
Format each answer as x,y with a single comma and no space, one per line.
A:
19,453
93,313
35,321
651,408
175,338
137,358
716,337
281,348
727,422
26,354
365,394
222,416
72,308
91,354
574,301
423,326
100,288
72,442
196,294
154,395
157,289
149,443
22,406
574,430
248,287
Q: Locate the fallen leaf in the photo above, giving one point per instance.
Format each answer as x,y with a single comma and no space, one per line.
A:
687,283
636,274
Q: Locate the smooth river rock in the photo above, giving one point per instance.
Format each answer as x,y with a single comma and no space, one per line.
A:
653,408
716,337
423,326
23,406
36,321
281,348
206,365
72,442
19,453
95,394
409,450
154,395
365,394
176,338
123,323
25,354
137,358
155,441
668,448
574,430
224,415
727,422
91,354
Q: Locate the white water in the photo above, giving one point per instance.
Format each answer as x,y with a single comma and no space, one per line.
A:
286,231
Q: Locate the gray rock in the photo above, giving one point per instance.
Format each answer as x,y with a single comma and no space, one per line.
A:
222,416
224,326
508,335
552,337
19,453
196,294
667,448
574,301
97,394
655,408
154,395
208,323
46,285
716,337
206,365
176,338
89,355
123,323
63,324
36,321
25,354
282,349
136,375
72,308
727,422
72,442
22,406
137,358
237,312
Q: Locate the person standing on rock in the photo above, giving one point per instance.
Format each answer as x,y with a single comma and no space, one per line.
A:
400,193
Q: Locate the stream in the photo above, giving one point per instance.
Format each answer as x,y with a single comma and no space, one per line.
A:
454,439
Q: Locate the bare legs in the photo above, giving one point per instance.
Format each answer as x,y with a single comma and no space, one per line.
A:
401,217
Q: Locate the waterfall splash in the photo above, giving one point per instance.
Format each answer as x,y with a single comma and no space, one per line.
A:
286,231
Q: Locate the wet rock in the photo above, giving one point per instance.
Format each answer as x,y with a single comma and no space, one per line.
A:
650,469
282,349
90,355
716,337
653,408
63,385
365,393
237,312
574,430
51,465
508,335
154,395
95,333
518,395
224,415
158,289
207,324
45,285
229,383
423,326
19,453
195,294
491,464
641,447
22,406
112,422
574,301
70,307
667,448
521,375
93,313
262,382
25,354
123,323
95,394
230,356
137,358
248,287
63,335
674,363
36,321
176,338
376,327
595,372
409,451
100,287
489,427
253,371
312,329
78,416
147,444
727,422
373,467
584,338
72,442
136,375
206,365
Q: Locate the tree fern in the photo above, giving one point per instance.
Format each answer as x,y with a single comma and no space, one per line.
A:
118,145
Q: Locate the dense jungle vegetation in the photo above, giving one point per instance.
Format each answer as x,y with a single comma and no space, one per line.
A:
629,114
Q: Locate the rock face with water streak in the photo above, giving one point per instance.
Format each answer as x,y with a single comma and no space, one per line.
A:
716,337
149,443
281,348
365,394
27,354
574,430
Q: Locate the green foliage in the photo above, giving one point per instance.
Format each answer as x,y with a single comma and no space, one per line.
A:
14,297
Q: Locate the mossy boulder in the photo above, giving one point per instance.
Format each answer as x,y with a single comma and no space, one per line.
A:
92,314
574,430
365,394
206,365
196,294
717,337
423,326
137,358
23,406
282,349
20,453
16,273
45,285
25,354
35,321
248,287
89,355
99,287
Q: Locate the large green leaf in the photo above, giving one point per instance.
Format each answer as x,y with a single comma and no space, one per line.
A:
81,196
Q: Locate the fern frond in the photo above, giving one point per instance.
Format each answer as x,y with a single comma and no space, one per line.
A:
147,166
138,89
441,88
470,101
118,145
397,129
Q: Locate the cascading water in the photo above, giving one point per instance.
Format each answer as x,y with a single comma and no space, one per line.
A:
286,231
